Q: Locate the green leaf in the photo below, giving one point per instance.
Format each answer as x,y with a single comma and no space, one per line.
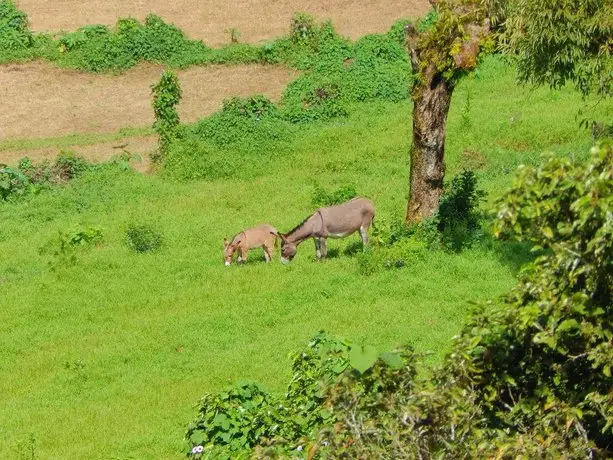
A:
362,358
197,438
567,325
393,360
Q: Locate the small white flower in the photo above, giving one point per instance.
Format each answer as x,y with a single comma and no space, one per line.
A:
194,451
199,449
299,448
325,443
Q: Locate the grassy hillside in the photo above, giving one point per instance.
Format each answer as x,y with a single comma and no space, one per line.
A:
106,357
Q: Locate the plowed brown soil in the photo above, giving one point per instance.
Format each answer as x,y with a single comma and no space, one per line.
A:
207,19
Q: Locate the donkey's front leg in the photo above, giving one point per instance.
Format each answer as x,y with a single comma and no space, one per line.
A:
317,247
242,257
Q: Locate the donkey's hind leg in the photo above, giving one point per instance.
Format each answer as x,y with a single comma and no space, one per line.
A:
317,247
324,247
364,235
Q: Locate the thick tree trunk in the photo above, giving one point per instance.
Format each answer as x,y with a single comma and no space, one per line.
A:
431,100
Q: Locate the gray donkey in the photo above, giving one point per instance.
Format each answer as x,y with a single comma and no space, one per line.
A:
332,222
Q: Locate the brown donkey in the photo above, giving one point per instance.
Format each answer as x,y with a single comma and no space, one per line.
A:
262,236
331,222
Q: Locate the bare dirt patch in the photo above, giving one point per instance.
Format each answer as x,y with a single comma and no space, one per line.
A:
42,100
207,19
139,146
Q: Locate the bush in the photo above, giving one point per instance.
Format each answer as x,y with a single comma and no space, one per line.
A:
322,197
98,49
251,125
457,223
166,96
143,238
235,421
13,182
14,32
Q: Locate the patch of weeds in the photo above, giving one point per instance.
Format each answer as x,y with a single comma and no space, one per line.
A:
26,449
405,253
322,197
143,238
63,249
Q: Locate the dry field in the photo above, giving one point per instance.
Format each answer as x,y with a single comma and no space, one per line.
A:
207,19
43,101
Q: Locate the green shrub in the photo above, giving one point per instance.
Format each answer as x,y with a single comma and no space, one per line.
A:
98,49
166,96
14,32
302,28
235,421
251,125
69,166
321,197
13,182
143,238
457,223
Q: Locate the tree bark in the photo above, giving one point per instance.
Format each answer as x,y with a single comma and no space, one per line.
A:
431,101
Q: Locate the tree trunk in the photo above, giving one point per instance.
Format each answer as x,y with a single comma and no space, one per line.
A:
431,101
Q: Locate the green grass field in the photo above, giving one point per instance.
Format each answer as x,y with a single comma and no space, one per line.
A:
106,358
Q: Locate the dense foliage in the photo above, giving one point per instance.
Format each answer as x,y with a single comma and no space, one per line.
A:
558,41
143,238
529,377
166,96
29,177
14,32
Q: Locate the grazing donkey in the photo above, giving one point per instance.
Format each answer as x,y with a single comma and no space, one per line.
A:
262,236
331,222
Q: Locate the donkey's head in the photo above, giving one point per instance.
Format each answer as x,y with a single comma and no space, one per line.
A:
288,249
228,251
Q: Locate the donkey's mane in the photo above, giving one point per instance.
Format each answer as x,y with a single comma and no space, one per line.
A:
299,225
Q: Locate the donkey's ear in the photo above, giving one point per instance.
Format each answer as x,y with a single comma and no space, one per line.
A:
225,243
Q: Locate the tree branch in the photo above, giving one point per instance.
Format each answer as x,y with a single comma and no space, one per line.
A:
412,38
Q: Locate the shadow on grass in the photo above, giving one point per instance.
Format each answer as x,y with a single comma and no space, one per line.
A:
515,254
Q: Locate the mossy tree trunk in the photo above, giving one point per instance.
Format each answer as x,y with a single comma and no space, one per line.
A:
440,56
431,102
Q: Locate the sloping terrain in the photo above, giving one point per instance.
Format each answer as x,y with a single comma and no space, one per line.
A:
41,101
208,19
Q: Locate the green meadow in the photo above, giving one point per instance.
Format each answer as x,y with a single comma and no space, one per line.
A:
106,356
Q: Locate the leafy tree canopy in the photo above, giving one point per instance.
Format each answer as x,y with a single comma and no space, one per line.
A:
560,41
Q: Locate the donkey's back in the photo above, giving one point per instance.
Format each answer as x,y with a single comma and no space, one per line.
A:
346,218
